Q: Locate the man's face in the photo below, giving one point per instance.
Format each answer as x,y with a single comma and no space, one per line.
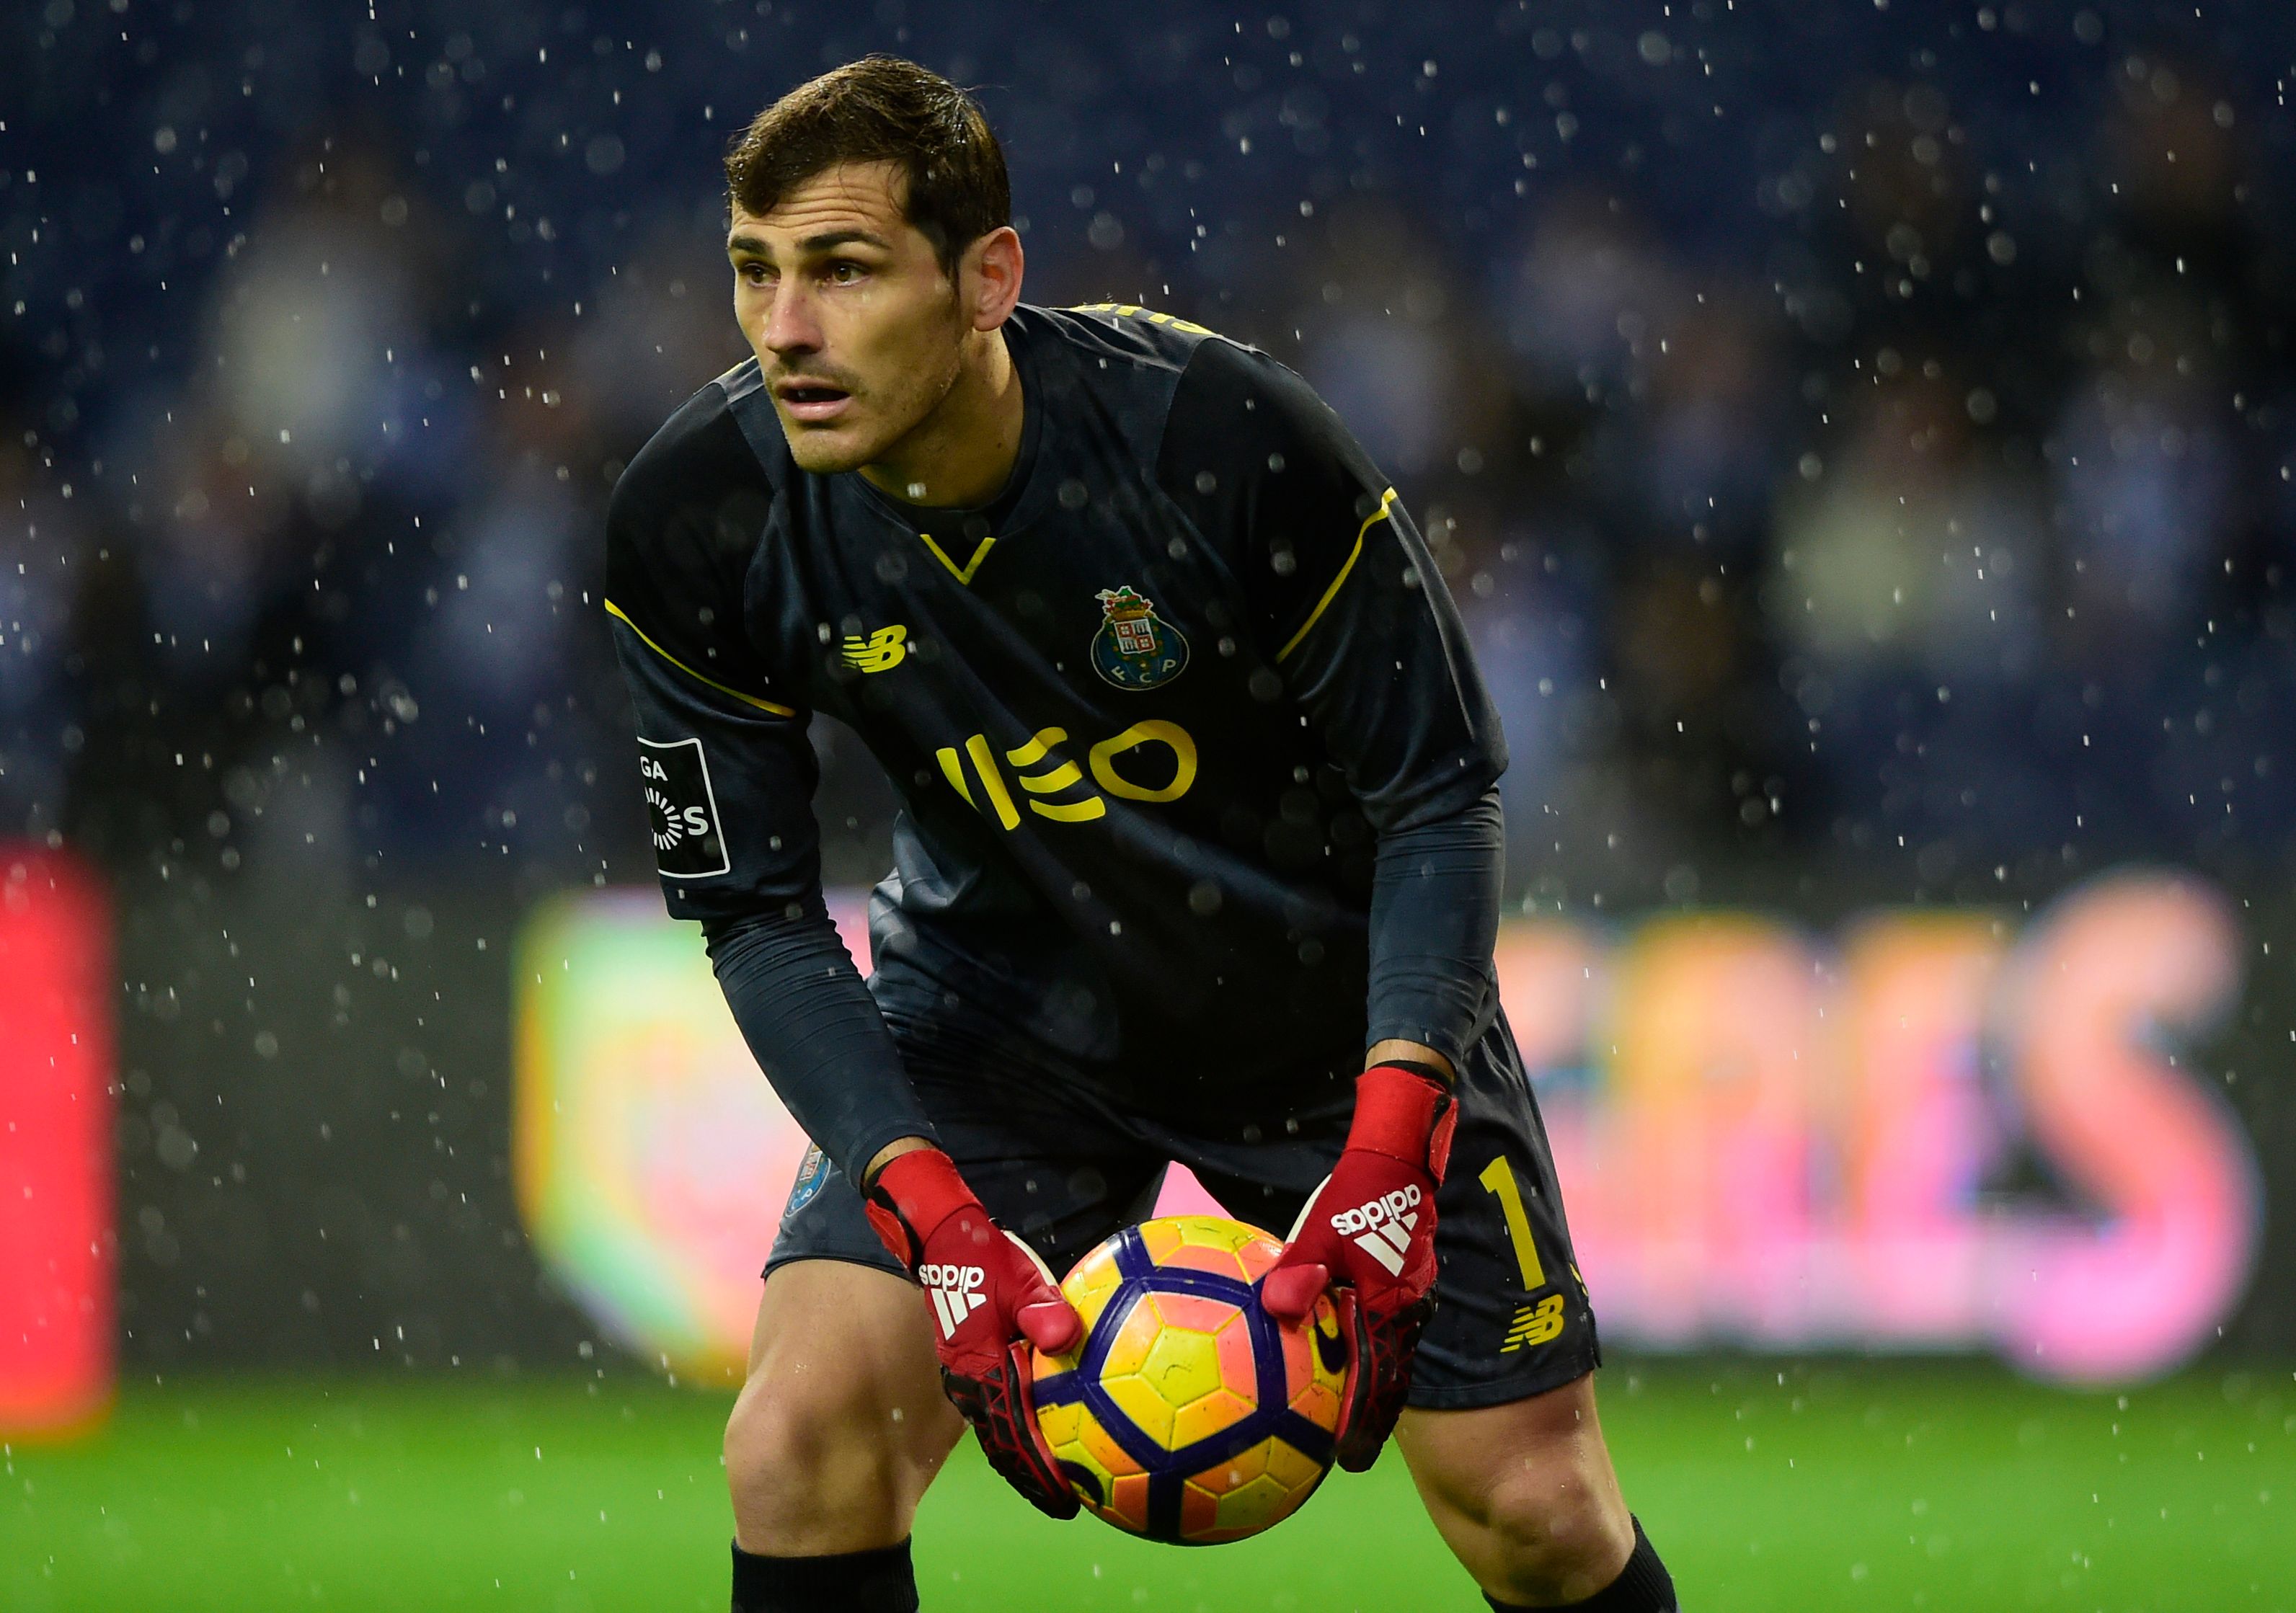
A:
856,326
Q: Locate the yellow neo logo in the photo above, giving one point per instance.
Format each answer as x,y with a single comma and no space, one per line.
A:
1055,788
880,651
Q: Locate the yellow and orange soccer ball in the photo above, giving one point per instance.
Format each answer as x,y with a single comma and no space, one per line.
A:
1188,1414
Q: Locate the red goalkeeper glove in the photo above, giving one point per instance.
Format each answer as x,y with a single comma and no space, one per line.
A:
1368,1234
991,1299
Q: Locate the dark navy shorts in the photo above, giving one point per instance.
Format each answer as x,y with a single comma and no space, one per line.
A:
1057,1161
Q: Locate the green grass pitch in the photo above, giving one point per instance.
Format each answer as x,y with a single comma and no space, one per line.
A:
1817,1486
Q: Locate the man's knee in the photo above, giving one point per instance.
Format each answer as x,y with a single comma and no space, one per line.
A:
791,1453
1559,1537
814,1471
842,1423
779,1433
1524,1495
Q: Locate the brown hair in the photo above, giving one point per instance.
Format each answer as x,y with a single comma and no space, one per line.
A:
881,109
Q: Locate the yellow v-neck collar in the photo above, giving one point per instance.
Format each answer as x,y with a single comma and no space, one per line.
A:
963,574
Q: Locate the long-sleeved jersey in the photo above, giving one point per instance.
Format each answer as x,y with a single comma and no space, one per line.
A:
1165,718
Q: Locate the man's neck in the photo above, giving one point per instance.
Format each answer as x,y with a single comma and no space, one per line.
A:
963,452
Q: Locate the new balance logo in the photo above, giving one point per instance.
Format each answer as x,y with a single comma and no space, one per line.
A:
880,652
1381,1227
955,1293
1534,1324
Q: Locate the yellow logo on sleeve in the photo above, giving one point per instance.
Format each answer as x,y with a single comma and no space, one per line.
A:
880,651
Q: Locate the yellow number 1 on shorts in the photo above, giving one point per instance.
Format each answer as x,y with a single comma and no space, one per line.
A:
1498,1177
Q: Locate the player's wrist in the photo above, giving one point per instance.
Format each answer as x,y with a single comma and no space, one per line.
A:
1405,1114
886,1155
1418,1057
1435,1075
912,1194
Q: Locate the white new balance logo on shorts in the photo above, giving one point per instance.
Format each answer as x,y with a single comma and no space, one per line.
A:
1381,1227
955,1293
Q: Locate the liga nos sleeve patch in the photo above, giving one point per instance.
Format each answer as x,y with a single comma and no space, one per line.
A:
689,842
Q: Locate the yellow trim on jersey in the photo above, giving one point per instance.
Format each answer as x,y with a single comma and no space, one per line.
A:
748,699
1385,499
963,574
1132,310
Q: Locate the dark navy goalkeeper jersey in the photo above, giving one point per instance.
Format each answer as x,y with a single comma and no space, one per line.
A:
1149,712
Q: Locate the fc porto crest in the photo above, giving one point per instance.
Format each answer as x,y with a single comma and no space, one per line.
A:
1136,648
812,1176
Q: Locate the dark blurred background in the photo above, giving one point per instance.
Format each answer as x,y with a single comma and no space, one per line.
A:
1859,435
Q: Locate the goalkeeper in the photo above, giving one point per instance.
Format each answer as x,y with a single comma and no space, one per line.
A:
1199,860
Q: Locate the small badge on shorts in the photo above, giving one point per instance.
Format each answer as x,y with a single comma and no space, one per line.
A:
1136,648
688,843
811,1173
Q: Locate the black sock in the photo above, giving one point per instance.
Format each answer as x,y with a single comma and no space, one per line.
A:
1643,1586
880,1581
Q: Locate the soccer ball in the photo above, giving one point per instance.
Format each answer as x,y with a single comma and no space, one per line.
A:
1187,1413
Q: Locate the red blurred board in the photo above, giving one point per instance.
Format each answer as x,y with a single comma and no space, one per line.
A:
56,1237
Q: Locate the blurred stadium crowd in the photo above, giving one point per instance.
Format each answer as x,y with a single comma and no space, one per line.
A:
1859,445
